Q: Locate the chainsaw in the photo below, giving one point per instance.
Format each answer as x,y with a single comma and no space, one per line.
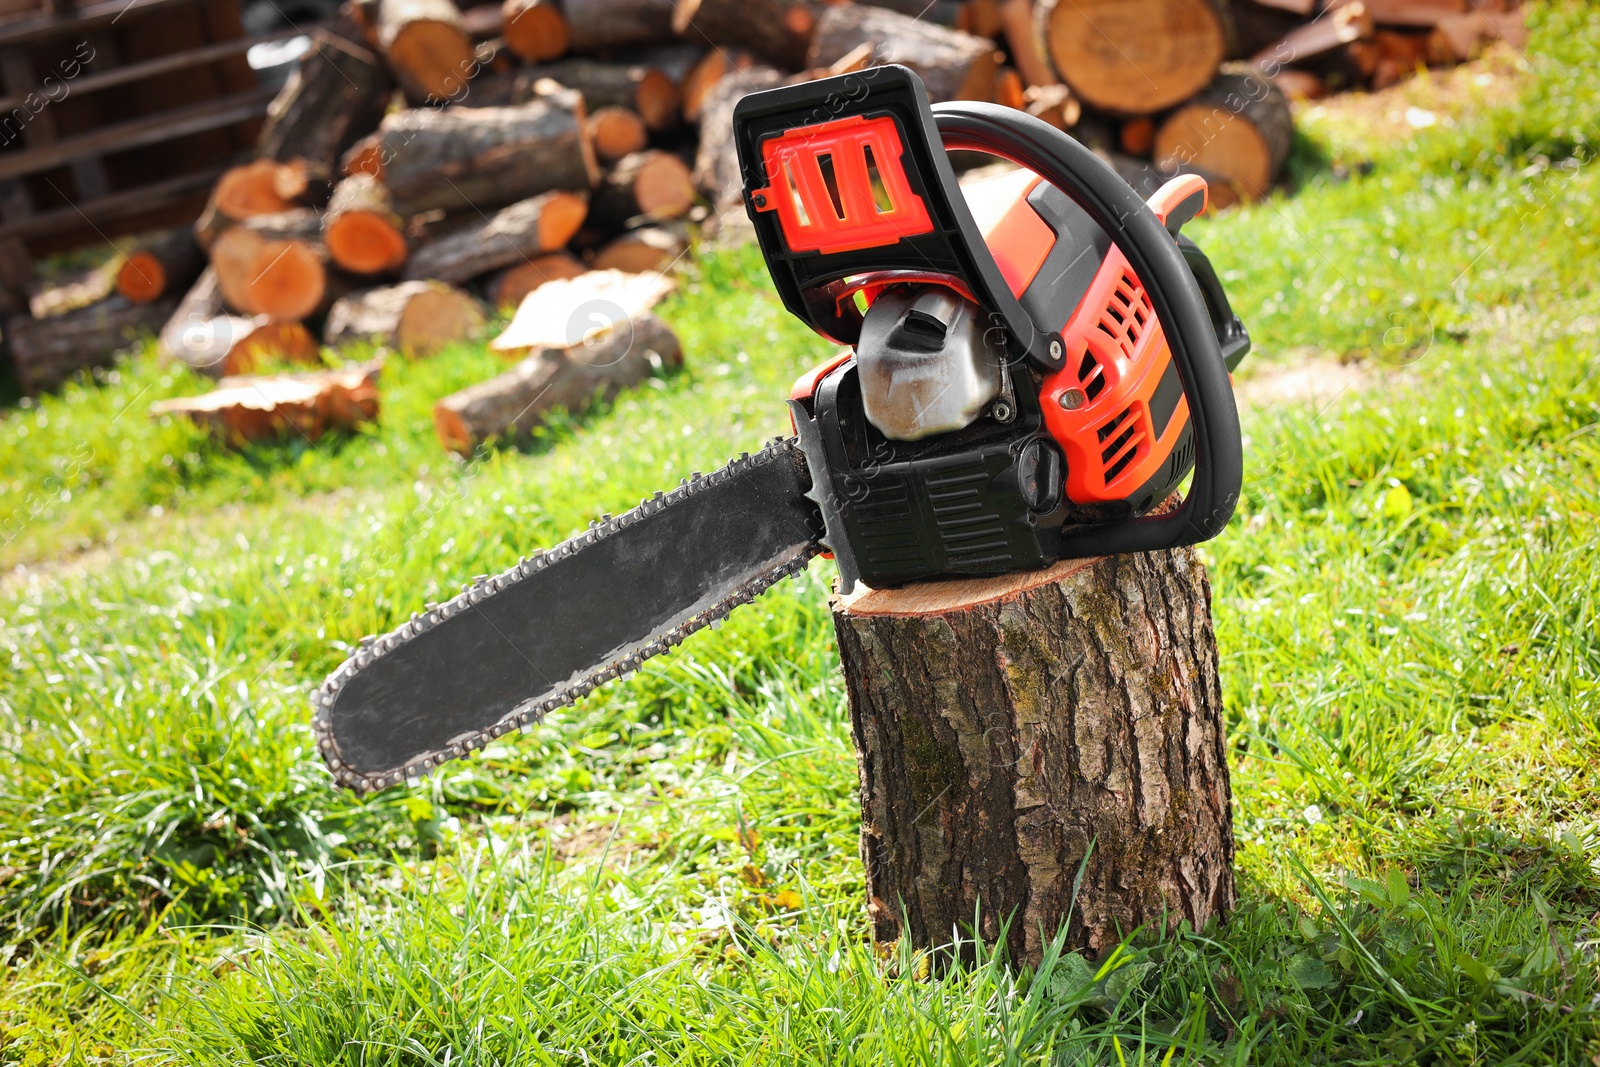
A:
1034,364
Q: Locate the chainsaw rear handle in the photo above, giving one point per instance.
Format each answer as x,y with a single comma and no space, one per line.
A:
1179,305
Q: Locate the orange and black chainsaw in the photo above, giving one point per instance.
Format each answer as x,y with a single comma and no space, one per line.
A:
1035,362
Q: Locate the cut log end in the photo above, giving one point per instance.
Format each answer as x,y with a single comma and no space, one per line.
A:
1239,129
431,58
535,30
1133,57
662,188
510,287
141,278
365,242
657,100
615,132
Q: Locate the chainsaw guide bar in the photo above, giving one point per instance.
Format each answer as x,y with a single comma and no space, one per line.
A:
565,621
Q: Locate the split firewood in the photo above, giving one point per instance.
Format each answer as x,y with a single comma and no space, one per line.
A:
427,46
233,344
517,232
605,25
615,132
361,229
641,89
566,312
1054,104
507,288
415,318
1239,128
336,94
779,31
953,65
1337,28
458,159
46,352
653,185
1027,51
1133,58
715,65
570,378
245,409
716,162
535,30
648,248
245,191
273,265
159,266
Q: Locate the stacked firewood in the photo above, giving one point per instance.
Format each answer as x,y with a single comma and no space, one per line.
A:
428,166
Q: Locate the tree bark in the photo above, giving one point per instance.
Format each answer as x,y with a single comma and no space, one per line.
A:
416,318
636,86
527,228
514,404
603,25
716,161
654,185
362,231
1014,732
427,46
1239,128
535,30
159,266
779,31
466,158
953,65
335,96
1133,57
46,352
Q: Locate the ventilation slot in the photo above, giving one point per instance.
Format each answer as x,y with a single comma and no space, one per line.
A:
1127,314
1121,439
1090,377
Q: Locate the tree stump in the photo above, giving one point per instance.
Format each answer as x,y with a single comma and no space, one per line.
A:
1014,731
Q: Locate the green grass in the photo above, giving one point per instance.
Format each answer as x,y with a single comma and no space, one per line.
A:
1407,605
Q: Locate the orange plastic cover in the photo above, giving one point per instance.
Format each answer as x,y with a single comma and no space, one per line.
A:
839,186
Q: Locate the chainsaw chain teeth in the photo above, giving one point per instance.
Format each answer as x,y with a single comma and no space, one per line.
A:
530,712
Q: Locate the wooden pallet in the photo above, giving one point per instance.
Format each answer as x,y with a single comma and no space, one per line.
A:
116,117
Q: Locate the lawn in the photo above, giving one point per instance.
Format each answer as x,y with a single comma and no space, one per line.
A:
1407,605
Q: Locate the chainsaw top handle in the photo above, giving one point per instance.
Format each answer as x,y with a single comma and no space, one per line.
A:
1187,322
817,234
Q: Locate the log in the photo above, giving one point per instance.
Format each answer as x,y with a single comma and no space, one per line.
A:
778,31
273,265
715,65
427,46
363,157
1257,26
562,313
615,132
47,352
76,291
953,65
1137,136
468,159
1133,57
1239,128
245,409
637,87
1146,177
415,318
1009,90
983,18
243,192
716,162
507,288
183,330
336,95
1027,50
674,59
648,248
535,30
606,25
515,233
570,378
160,265
1423,14
1335,29
1041,752
233,344
652,185
361,229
